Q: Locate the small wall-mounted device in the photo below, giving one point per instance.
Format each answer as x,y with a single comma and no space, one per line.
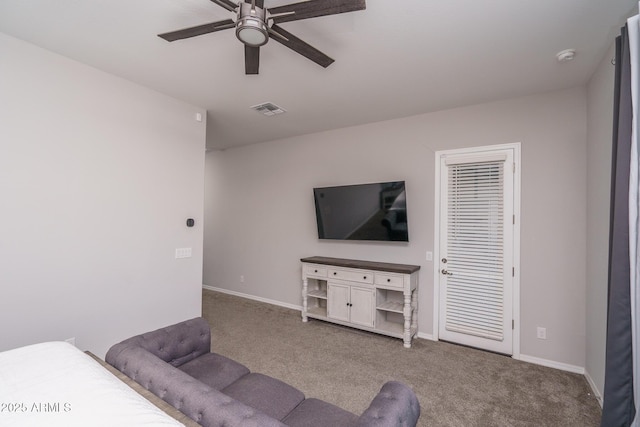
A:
190,222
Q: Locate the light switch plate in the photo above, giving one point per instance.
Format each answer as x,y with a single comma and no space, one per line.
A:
183,253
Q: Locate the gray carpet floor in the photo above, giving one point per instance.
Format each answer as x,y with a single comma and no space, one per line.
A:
456,385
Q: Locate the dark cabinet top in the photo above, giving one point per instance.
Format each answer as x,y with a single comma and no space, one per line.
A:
368,265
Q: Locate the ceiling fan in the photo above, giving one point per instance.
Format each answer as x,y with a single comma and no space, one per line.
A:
255,25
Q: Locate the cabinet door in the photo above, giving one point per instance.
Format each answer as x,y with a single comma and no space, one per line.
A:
337,301
362,306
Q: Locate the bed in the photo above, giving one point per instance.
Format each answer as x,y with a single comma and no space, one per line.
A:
55,384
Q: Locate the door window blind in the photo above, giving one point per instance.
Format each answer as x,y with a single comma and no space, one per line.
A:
475,256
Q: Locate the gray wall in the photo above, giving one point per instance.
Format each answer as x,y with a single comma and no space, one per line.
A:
97,178
260,214
600,128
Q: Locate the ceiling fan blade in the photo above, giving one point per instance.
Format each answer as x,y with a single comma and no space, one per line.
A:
251,59
227,4
303,48
314,8
199,30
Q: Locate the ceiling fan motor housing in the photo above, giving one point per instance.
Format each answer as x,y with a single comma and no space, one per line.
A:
251,28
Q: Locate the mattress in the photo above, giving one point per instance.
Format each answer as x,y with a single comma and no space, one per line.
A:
55,384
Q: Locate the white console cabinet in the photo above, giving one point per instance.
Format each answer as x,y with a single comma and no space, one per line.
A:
373,296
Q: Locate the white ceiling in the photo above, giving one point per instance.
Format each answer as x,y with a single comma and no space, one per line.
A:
394,59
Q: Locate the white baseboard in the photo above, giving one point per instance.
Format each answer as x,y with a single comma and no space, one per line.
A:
253,297
566,367
594,388
552,364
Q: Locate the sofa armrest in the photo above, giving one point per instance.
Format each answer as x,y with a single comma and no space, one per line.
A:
396,405
203,404
175,344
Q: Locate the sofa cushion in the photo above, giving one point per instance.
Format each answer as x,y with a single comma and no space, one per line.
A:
215,370
269,395
317,413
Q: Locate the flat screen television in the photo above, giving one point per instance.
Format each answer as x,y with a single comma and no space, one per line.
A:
375,211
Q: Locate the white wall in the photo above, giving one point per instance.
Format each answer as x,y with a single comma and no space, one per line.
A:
599,134
260,214
97,178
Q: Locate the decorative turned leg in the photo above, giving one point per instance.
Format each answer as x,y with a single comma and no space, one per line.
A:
407,320
414,314
305,284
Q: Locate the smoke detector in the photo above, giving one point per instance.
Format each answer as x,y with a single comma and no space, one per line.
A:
566,55
269,109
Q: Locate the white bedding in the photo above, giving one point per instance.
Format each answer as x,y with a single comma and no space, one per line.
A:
55,384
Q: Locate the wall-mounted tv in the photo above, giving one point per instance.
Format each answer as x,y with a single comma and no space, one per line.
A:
375,211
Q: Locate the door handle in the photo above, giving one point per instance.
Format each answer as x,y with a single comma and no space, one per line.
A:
448,273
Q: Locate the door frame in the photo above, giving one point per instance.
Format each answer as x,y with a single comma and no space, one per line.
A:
516,235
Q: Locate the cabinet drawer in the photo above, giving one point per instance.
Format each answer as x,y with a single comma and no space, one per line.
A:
360,276
315,270
389,280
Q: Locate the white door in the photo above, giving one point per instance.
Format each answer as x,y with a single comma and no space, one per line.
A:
476,234
338,301
362,306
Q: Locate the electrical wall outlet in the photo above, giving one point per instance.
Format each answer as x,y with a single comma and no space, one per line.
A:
542,333
241,279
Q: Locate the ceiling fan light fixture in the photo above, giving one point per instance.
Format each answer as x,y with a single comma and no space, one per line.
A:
250,27
252,33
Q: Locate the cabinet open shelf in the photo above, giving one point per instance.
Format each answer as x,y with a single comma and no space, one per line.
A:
317,293
391,328
395,307
389,300
317,311
317,298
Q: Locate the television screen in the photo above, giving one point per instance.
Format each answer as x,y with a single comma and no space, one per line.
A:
362,212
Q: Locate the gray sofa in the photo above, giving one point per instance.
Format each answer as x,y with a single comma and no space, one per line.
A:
176,364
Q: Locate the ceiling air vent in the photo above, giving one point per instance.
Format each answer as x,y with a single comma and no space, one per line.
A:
268,109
